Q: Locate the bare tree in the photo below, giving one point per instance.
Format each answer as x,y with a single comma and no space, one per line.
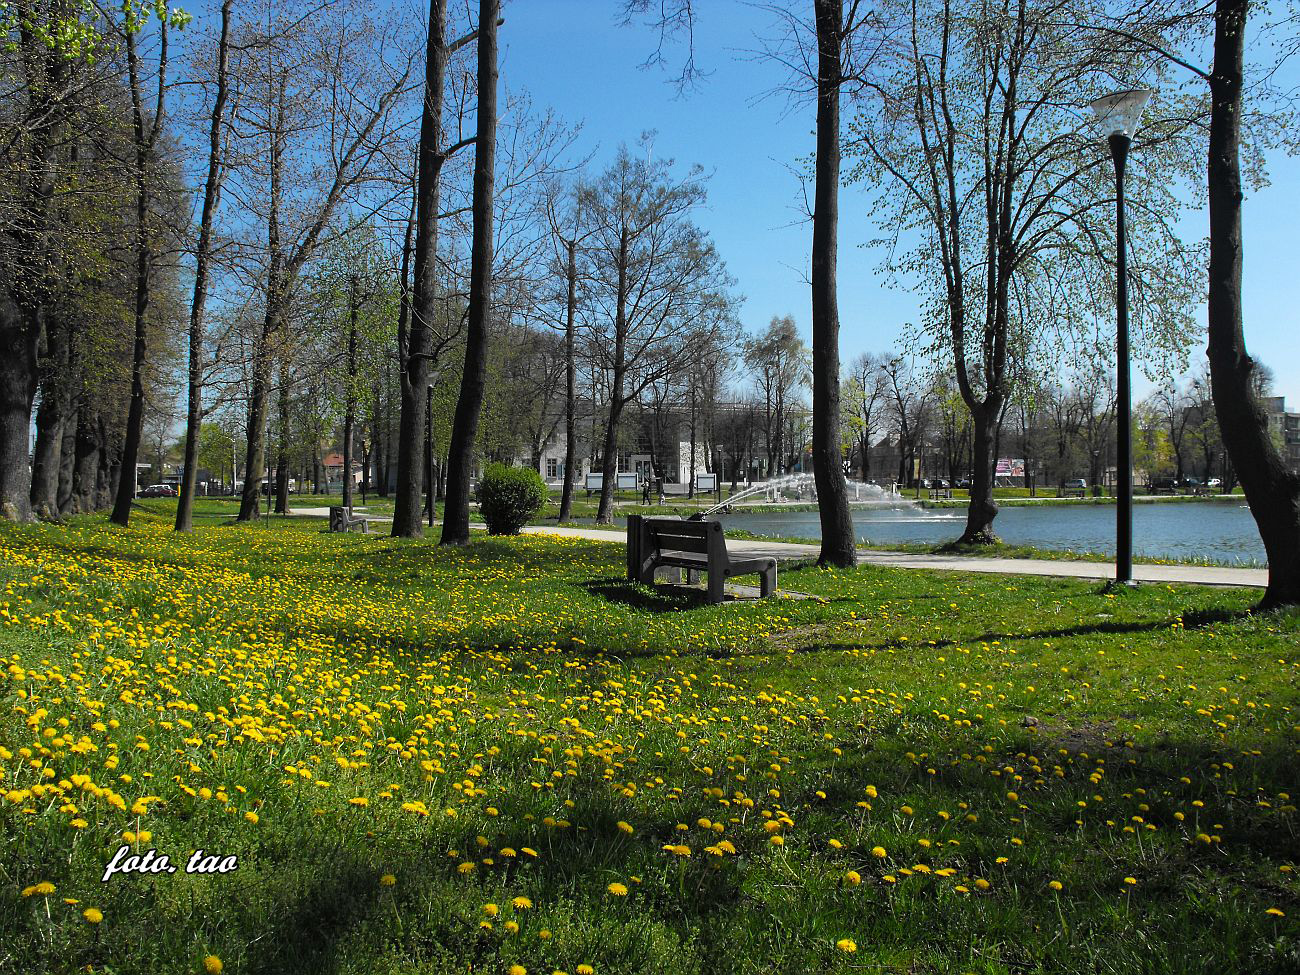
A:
328,85
202,254
145,133
569,231
1272,490
778,361
864,396
455,525
834,31
658,286
970,127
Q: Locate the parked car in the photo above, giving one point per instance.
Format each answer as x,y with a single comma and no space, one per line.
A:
1161,484
1214,482
1076,484
158,491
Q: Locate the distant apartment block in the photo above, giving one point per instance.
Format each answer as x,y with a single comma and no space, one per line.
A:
1285,428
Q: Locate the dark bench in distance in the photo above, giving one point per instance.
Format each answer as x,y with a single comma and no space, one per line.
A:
696,546
343,520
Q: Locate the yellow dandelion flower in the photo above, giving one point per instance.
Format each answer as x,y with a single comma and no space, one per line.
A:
879,851
847,945
1056,885
617,889
521,903
387,880
93,914
212,965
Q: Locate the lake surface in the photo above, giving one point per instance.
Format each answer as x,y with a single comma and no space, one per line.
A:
1218,531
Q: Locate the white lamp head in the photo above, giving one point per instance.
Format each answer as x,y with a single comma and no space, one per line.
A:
1119,113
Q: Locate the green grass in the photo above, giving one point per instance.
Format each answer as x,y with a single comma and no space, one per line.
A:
508,705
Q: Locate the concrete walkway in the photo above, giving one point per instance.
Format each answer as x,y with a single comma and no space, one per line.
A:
325,513
1196,575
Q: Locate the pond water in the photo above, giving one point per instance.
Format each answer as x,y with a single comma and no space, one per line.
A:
1217,531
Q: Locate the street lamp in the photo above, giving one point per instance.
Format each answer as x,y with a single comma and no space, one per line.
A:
1119,114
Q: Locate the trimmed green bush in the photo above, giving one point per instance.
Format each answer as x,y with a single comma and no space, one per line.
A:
508,497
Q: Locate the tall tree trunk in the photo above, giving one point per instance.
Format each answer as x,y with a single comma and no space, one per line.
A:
19,338
51,421
272,325
570,386
982,509
144,137
460,453
282,444
211,197
1272,491
690,476
67,463
838,539
414,349
26,289
85,475
350,408
609,464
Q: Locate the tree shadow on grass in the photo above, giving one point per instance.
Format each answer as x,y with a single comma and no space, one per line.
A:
339,914
1198,620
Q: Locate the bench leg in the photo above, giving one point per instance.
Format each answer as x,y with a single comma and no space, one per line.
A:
692,577
715,586
767,582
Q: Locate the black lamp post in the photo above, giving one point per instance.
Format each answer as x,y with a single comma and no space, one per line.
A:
1119,114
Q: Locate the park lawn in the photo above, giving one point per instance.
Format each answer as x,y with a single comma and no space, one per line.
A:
505,755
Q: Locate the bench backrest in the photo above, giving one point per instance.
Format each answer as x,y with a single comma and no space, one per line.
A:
673,535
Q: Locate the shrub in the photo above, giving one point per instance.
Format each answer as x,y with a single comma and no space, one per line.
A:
509,496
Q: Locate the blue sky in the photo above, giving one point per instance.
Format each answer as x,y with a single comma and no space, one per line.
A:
574,56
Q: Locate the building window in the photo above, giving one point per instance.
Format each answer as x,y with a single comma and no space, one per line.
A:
552,467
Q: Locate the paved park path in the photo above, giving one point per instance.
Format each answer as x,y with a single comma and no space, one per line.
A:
1197,575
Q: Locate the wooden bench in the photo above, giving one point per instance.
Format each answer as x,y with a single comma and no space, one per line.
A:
940,494
344,520
1071,493
696,546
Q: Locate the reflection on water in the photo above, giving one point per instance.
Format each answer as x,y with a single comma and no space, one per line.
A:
1221,532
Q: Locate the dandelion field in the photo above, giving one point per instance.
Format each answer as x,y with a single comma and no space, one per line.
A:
507,759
